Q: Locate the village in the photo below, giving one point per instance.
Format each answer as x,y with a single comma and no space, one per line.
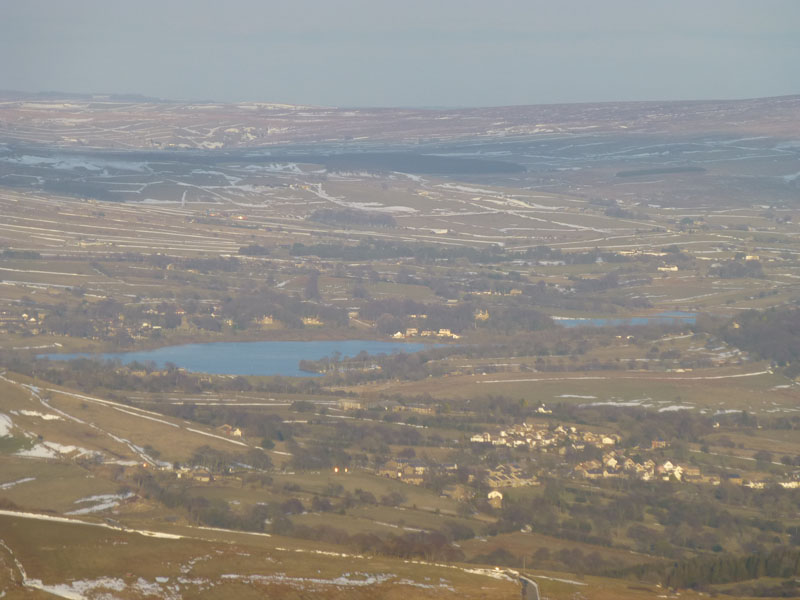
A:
613,464
546,439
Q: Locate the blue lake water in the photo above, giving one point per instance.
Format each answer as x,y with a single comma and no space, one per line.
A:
665,318
283,358
249,358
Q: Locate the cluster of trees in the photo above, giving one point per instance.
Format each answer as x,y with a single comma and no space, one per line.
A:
255,423
551,513
732,269
618,212
275,518
395,314
583,294
428,545
218,461
24,254
780,562
162,262
254,250
640,425
364,367
562,341
702,521
516,318
245,308
556,255
595,284
318,456
399,307
381,250
112,320
773,334
543,340
349,216
392,314
789,588
567,559
210,264
376,438
105,318
177,494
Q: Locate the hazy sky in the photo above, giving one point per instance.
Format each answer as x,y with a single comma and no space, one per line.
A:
404,52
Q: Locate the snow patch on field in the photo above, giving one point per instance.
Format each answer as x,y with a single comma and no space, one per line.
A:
369,206
377,207
5,425
275,168
412,177
33,413
55,519
357,580
618,403
99,502
121,462
53,450
322,552
674,407
467,189
83,589
493,573
345,580
10,484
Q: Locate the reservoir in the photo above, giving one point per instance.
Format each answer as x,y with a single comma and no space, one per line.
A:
283,358
249,358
